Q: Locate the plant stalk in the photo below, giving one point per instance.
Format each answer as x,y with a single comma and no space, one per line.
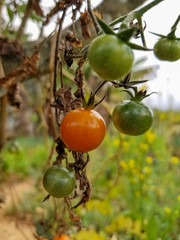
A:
176,23
27,14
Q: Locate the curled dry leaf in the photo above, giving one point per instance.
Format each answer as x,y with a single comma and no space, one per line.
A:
27,68
86,21
60,6
14,97
10,48
68,45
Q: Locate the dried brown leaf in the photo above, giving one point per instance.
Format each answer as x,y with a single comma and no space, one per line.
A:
85,21
10,48
97,13
14,97
27,68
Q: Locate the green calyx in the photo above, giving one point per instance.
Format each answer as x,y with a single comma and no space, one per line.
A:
90,103
171,35
125,33
138,95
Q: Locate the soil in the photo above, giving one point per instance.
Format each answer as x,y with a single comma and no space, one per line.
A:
13,227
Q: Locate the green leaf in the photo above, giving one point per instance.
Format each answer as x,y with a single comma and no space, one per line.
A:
10,13
36,17
106,29
138,47
126,34
129,93
159,35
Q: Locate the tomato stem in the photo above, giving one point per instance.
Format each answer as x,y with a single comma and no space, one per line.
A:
176,23
142,31
135,14
99,87
142,10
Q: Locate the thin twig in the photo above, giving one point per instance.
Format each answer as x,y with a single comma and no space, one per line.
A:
57,57
142,31
176,23
97,28
27,14
99,87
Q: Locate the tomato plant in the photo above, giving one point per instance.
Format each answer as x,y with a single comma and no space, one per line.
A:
132,118
167,49
58,181
82,130
110,57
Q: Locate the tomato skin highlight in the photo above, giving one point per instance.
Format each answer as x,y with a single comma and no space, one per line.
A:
167,49
82,130
132,118
58,181
110,57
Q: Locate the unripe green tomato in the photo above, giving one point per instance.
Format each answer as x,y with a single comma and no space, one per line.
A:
58,181
132,118
110,57
167,49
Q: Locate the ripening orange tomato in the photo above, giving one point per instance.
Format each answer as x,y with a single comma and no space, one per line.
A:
82,130
62,237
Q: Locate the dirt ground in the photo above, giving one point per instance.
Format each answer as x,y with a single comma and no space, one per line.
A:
12,228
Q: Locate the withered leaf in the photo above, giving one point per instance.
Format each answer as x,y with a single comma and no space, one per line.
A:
85,20
27,68
10,48
14,97
97,13
72,40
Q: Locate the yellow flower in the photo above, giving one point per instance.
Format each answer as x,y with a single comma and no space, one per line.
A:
131,163
150,136
163,116
147,169
102,207
149,160
124,165
120,223
167,210
87,235
178,197
174,160
141,176
125,145
116,142
144,146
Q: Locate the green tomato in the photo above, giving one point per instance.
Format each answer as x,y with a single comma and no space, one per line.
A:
132,118
167,49
58,181
110,57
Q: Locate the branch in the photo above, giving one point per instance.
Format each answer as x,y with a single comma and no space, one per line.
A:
56,57
93,17
27,14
